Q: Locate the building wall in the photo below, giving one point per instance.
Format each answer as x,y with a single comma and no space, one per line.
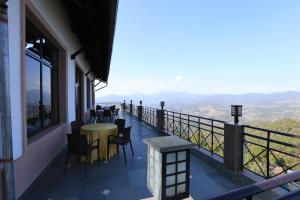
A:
32,156
14,28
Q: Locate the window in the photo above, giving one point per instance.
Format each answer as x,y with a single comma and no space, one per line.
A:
41,81
88,93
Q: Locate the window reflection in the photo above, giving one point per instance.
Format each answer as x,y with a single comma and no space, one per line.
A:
41,81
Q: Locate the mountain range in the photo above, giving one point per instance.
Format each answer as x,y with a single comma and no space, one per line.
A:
256,106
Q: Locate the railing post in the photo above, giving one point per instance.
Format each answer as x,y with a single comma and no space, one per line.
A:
130,108
124,106
140,111
268,154
212,138
160,120
233,145
180,125
188,128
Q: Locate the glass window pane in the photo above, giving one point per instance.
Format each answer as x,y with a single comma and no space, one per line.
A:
170,191
50,53
181,178
170,180
171,169
32,39
33,95
46,78
181,155
171,157
181,188
181,167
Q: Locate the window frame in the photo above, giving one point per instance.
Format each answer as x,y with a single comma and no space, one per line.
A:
44,63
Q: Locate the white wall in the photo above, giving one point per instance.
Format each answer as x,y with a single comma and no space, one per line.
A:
14,30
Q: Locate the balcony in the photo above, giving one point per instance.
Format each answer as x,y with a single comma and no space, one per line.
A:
114,180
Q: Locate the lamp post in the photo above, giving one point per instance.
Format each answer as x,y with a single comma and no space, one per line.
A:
168,171
141,102
236,112
162,104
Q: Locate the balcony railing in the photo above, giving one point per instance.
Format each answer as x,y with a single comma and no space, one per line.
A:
149,115
266,153
204,132
270,153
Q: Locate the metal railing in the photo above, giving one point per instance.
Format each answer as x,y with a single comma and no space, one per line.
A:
249,191
266,153
134,110
206,133
34,112
149,115
269,153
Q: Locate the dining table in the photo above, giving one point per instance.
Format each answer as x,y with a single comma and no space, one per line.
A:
100,131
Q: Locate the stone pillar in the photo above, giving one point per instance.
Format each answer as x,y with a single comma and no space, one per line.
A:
6,153
140,113
233,147
160,120
124,106
130,108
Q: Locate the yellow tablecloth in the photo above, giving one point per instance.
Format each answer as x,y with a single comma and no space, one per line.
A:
102,131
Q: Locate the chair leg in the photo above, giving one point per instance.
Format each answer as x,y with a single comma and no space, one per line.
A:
107,151
66,164
85,166
124,154
131,148
98,155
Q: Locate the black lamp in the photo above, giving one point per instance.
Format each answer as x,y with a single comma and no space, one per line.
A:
162,104
236,112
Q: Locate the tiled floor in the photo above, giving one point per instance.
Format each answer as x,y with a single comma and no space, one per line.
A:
114,180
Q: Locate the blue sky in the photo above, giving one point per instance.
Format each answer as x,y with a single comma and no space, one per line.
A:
205,47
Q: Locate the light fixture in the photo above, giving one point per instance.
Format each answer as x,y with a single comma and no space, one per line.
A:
236,112
168,169
162,104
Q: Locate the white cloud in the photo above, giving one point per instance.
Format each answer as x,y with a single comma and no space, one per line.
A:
178,78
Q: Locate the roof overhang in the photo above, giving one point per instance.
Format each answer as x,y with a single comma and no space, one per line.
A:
94,22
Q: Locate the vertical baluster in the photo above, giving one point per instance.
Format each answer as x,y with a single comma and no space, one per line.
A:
167,122
199,129
173,124
180,125
188,128
268,153
212,137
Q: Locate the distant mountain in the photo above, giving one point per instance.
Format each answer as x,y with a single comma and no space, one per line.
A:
256,106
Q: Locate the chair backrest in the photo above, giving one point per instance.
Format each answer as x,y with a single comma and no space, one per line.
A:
112,108
121,125
126,135
92,113
106,113
77,144
98,107
76,126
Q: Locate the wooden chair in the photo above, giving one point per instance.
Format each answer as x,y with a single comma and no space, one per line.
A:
118,140
78,146
76,126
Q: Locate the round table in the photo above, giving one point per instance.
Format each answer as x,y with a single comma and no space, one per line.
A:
100,131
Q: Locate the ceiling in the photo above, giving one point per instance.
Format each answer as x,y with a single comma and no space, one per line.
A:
94,23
